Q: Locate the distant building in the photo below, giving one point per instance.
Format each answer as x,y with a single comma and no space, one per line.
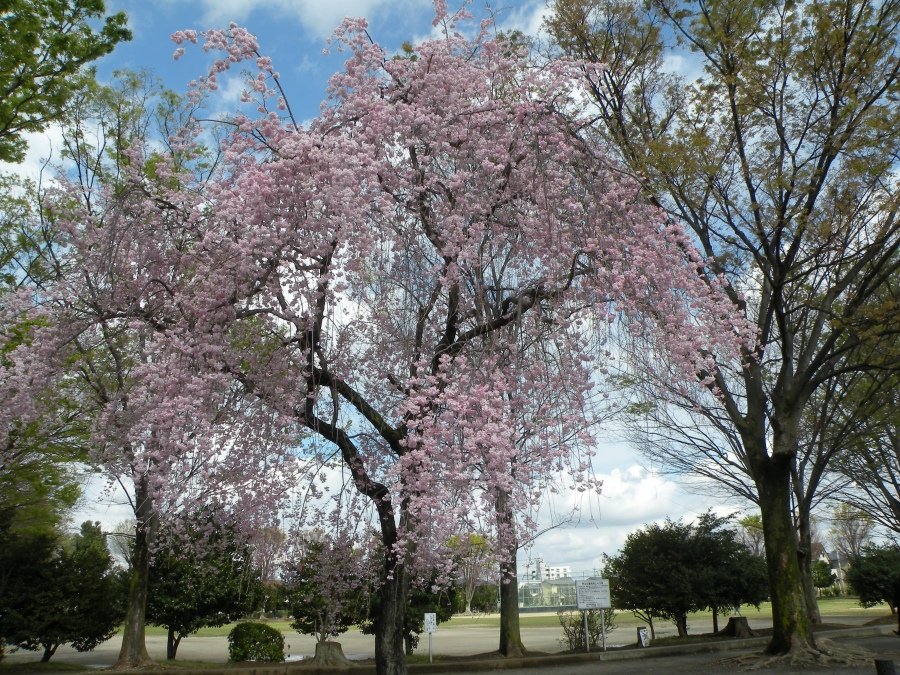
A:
537,570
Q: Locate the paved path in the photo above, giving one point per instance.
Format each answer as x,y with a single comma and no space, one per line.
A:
455,641
886,646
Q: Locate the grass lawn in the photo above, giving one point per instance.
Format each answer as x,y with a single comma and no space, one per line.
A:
829,607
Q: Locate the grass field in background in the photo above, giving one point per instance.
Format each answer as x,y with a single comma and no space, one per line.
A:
829,607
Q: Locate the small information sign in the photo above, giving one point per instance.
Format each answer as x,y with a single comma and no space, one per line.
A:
593,594
643,637
430,622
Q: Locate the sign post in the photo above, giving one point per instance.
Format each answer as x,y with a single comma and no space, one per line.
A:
593,594
430,627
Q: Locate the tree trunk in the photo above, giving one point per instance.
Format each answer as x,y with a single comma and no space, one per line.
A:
510,632
681,625
390,655
804,559
790,621
408,644
172,643
49,651
715,613
133,653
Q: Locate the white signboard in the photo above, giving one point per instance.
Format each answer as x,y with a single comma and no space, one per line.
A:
643,637
430,622
593,594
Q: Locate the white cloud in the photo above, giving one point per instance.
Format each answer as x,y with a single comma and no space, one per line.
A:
103,502
43,146
318,17
632,496
684,64
527,18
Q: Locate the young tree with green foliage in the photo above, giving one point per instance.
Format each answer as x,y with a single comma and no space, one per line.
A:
673,569
779,151
26,557
875,576
43,46
751,531
472,554
39,447
653,575
73,595
731,575
822,575
252,641
201,574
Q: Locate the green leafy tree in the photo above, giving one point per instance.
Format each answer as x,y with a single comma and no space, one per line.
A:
73,595
751,531
779,152
202,576
875,576
655,574
43,46
673,569
822,575
26,560
39,481
729,575
474,563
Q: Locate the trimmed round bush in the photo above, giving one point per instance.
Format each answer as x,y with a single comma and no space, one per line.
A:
253,641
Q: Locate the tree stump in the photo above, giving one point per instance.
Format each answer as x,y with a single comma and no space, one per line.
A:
330,654
737,627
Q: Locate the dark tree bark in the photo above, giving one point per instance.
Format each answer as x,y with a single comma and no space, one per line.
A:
390,653
805,561
172,642
133,653
49,651
790,618
510,632
681,625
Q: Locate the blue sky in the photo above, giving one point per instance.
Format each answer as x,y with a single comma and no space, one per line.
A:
293,33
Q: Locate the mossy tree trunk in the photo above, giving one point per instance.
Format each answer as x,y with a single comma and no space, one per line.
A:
790,619
133,653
